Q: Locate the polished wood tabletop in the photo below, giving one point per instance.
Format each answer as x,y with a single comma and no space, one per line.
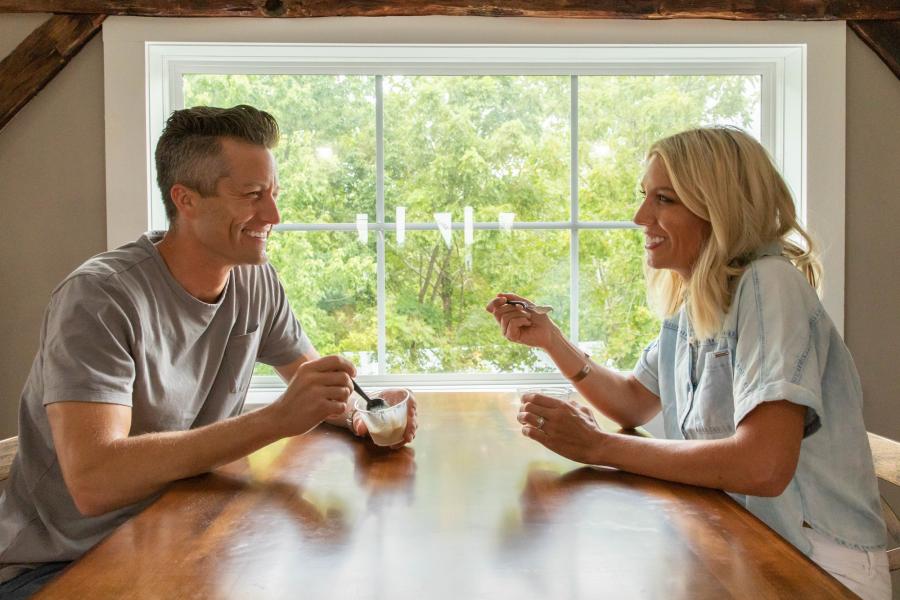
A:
472,509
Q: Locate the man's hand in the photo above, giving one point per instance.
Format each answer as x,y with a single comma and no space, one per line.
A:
319,389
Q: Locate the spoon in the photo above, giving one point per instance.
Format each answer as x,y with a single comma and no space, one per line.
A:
535,308
371,403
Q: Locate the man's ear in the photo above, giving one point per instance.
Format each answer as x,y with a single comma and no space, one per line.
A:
184,198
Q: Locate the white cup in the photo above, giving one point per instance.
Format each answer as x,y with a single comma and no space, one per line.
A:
560,393
386,426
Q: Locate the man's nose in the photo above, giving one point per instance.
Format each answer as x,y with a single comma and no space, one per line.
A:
269,211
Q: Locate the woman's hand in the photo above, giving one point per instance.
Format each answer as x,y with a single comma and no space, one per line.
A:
563,426
520,325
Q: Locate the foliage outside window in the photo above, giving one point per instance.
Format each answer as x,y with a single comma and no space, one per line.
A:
500,145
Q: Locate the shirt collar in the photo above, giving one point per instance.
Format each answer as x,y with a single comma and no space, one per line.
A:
771,249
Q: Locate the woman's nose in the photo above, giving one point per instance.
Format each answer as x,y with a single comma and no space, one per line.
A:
643,215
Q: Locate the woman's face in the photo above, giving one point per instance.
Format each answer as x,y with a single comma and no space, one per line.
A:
673,235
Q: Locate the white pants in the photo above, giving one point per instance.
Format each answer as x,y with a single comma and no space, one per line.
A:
864,572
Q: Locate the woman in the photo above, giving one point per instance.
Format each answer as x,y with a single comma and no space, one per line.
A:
758,392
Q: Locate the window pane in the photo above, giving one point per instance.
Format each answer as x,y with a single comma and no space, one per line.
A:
615,322
620,116
326,157
436,322
498,144
330,281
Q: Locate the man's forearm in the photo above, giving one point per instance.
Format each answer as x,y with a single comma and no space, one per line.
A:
130,469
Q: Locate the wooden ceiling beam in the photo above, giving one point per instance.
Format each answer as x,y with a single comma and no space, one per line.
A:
884,38
40,56
753,10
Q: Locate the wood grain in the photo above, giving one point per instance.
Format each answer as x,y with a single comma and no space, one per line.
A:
886,456
8,448
883,37
471,510
40,56
594,9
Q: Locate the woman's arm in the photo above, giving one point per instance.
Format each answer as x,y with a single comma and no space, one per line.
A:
620,397
759,459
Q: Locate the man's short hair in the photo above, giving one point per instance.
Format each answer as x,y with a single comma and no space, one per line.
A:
189,150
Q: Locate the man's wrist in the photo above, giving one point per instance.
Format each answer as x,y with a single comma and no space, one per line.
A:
348,420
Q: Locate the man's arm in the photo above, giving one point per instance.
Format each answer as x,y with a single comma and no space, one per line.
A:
105,469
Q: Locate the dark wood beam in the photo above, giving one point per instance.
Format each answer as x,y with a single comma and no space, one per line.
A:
884,38
40,57
801,10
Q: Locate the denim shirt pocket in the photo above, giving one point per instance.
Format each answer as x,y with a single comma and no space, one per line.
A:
711,411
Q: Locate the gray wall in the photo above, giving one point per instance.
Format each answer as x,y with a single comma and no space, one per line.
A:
872,301
873,245
53,202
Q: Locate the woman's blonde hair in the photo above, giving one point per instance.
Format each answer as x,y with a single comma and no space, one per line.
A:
726,177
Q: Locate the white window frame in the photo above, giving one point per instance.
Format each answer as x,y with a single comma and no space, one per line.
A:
783,61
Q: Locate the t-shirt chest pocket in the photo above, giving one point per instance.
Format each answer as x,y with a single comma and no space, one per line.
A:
710,414
240,356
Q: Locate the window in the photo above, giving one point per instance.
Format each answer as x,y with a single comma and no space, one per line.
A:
419,180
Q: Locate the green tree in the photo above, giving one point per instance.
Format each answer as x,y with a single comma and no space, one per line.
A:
499,144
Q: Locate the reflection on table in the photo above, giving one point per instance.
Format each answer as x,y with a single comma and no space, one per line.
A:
471,510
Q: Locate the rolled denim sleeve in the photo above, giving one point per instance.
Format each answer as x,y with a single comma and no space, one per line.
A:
776,355
647,368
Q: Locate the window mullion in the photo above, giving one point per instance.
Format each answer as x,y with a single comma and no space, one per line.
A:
379,219
574,215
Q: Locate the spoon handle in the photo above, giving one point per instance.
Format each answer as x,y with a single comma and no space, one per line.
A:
535,308
360,391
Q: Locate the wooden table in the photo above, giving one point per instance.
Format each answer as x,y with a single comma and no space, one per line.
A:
471,510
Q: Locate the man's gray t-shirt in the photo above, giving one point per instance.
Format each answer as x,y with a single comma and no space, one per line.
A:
121,330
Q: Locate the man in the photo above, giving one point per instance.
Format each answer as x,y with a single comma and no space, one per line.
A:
146,354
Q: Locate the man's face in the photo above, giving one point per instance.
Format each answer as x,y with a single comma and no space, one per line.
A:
233,225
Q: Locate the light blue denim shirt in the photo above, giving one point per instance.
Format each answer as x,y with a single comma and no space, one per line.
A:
777,343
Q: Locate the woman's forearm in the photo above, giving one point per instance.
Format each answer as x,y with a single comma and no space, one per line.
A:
619,397
759,459
719,464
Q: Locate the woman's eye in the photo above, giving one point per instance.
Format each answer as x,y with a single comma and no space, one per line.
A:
664,199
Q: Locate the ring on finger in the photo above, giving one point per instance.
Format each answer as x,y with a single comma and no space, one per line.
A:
540,422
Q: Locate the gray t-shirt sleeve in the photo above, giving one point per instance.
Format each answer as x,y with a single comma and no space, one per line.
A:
86,354
283,339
